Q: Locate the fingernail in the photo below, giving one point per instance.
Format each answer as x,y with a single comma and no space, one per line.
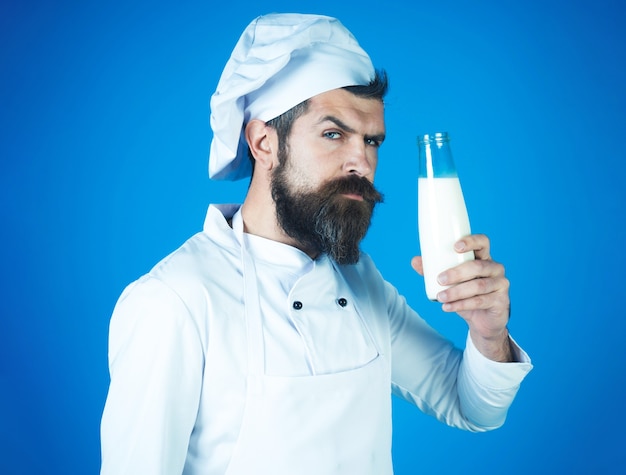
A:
442,279
459,246
442,296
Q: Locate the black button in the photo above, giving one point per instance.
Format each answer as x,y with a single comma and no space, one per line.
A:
342,302
297,305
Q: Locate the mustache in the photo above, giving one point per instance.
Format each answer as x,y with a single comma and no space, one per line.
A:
352,184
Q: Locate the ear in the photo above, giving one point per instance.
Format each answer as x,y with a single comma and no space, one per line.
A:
263,143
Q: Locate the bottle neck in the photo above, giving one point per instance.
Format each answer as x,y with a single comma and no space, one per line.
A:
435,156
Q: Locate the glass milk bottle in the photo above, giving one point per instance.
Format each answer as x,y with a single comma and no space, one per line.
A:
442,215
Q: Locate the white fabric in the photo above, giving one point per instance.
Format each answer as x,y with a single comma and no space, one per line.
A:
279,61
179,357
275,438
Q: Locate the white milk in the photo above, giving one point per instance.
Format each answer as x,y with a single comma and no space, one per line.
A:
443,220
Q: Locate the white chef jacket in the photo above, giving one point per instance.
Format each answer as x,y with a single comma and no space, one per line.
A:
178,350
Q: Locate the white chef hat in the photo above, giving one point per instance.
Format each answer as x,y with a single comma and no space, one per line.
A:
279,61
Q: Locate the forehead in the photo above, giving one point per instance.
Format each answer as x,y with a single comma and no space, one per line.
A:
353,109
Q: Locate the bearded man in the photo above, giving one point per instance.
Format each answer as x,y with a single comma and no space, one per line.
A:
269,343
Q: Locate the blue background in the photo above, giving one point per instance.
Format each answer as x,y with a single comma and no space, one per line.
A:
103,146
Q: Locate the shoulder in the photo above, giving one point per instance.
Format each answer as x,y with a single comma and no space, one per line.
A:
185,281
199,256
207,257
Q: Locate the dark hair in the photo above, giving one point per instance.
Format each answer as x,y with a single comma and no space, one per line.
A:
376,89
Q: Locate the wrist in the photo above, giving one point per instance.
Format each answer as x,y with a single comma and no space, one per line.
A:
496,348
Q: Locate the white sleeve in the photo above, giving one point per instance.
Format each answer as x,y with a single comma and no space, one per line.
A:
460,388
155,362
487,388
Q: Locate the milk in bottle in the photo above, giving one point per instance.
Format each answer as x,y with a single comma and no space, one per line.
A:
442,214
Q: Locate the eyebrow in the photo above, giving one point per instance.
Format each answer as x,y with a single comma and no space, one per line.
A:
342,125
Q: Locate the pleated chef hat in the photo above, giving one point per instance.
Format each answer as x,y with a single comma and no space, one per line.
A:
279,61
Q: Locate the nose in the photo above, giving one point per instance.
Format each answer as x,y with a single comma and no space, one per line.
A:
361,159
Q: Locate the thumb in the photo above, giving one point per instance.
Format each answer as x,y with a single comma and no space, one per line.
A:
417,265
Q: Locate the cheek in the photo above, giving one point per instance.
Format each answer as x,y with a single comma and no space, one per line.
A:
297,177
373,161
307,171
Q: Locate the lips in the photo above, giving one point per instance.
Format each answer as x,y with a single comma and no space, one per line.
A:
353,196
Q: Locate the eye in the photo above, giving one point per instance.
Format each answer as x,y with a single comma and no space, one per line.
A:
332,134
373,142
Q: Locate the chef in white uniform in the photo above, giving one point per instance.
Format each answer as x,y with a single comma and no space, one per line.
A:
259,347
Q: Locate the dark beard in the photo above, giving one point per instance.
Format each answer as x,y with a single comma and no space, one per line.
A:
323,221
